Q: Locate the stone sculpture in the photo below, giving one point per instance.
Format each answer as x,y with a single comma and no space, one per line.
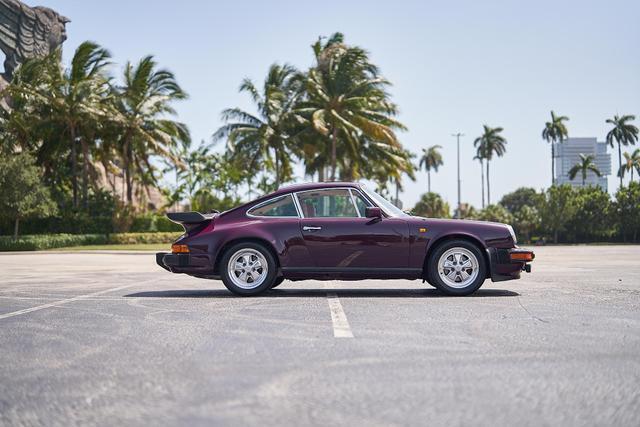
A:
28,32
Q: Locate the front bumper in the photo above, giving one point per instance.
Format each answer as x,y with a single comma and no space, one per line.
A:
508,264
195,264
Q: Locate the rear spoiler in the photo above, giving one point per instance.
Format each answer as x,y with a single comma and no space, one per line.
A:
190,220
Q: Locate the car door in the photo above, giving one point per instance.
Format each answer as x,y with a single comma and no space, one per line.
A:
277,221
340,239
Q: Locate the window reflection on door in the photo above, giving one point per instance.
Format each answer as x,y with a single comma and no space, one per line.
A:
331,203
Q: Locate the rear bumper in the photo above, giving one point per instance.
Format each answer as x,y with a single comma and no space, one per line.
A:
508,264
195,264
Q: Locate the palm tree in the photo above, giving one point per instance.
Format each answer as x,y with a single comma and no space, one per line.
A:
480,156
583,166
553,132
488,143
87,85
69,103
144,101
346,104
253,137
632,161
431,160
624,133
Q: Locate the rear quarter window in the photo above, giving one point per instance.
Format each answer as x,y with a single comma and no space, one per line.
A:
280,207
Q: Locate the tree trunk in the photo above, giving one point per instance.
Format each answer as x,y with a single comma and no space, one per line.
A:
321,174
429,181
334,143
620,162
127,172
277,168
397,193
15,229
482,180
85,173
488,186
553,161
74,165
555,236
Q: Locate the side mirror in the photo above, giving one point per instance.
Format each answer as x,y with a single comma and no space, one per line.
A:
373,212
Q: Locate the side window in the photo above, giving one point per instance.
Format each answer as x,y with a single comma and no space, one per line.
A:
361,202
327,204
282,206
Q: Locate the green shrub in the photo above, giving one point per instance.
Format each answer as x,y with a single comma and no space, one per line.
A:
52,241
164,224
138,238
154,223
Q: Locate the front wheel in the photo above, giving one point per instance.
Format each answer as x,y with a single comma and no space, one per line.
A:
277,282
457,267
248,269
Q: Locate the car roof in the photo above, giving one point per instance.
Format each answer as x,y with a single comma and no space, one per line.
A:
293,188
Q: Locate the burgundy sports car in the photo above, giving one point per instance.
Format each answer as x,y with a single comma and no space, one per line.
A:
340,231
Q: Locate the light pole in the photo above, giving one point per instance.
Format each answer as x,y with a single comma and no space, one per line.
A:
458,135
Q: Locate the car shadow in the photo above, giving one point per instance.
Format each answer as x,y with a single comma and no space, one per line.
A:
321,293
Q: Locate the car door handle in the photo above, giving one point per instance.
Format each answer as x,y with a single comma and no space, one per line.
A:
309,228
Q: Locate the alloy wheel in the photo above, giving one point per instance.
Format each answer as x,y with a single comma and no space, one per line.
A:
248,268
458,267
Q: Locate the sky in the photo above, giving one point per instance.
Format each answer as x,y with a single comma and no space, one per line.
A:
454,65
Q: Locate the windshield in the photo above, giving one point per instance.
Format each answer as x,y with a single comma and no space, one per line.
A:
388,207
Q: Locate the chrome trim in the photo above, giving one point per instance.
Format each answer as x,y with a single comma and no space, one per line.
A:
366,199
282,196
355,205
349,189
298,205
311,228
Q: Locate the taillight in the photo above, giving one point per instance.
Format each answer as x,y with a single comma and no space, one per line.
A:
180,249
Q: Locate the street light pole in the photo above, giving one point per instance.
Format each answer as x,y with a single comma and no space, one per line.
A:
458,135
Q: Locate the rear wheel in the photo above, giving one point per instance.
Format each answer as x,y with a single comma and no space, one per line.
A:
457,267
248,269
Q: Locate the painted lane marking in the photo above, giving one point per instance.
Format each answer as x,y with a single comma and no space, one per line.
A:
341,328
64,301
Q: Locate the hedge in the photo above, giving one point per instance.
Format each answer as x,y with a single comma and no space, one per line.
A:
51,241
83,223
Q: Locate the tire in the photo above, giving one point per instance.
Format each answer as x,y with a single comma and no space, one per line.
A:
457,267
277,282
248,269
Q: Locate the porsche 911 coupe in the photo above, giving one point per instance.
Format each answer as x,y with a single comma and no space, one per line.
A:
340,231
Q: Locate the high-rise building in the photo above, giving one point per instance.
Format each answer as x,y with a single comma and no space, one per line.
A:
568,154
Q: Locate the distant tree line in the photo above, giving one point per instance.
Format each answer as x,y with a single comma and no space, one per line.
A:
559,214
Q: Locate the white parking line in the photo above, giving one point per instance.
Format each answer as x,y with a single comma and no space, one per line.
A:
341,328
64,301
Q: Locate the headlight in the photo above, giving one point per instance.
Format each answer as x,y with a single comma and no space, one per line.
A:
513,234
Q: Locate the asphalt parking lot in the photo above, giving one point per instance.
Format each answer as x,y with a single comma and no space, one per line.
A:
111,339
